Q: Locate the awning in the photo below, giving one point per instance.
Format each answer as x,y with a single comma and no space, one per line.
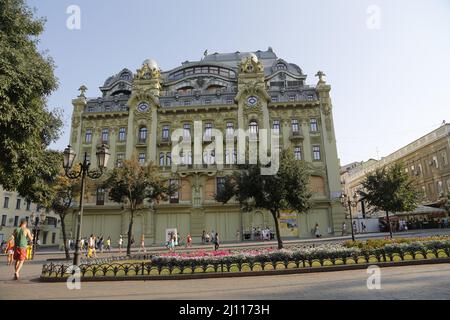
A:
420,210
425,210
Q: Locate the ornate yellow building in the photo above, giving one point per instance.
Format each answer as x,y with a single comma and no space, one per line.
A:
137,113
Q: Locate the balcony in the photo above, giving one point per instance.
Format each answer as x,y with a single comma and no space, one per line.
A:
296,135
164,141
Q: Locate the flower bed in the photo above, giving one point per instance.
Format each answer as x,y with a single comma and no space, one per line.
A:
255,260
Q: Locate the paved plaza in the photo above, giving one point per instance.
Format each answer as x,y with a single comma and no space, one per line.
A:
406,282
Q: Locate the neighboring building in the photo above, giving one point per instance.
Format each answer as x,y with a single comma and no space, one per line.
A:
13,208
137,113
425,159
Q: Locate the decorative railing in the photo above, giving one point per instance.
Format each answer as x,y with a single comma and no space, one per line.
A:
153,265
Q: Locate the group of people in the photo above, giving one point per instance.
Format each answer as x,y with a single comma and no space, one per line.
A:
174,240
92,244
211,237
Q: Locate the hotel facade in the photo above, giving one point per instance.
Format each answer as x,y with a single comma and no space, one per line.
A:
137,113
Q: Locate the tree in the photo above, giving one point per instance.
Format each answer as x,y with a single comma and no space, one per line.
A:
64,192
288,189
27,127
390,189
132,184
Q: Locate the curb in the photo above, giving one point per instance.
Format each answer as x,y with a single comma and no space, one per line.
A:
255,273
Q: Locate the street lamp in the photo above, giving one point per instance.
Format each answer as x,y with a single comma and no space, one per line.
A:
36,222
83,171
348,203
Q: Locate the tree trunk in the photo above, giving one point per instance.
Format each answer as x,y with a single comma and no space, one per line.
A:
389,224
277,229
130,233
63,230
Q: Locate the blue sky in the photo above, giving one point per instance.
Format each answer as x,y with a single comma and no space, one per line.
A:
389,85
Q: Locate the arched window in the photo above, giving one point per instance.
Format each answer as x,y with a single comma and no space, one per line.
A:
161,159
142,134
253,128
281,66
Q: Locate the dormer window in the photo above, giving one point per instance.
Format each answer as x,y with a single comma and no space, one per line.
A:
280,66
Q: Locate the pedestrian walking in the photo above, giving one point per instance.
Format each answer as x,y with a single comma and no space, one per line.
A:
91,247
142,247
216,242
108,244
317,231
203,237
120,243
238,236
10,250
21,234
344,229
188,241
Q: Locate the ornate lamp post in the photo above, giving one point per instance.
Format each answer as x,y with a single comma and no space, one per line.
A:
348,203
36,222
83,172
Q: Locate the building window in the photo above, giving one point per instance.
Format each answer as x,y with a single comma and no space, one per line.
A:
122,134
313,125
18,203
165,132
298,153
440,189
230,129
141,158
295,126
209,157
316,152
220,184
161,159
4,220
120,158
208,131
168,159
444,158
276,126
186,130
53,237
105,135
100,196
16,221
187,103
142,134
88,136
6,202
281,66
253,128
175,197
28,205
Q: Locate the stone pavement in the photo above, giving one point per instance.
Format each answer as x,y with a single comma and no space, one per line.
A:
407,282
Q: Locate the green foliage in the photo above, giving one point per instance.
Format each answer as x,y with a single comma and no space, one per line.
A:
133,183
27,127
287,189
390,189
